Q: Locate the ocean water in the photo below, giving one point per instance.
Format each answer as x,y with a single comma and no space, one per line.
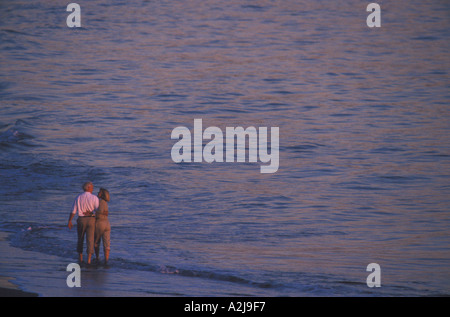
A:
364,164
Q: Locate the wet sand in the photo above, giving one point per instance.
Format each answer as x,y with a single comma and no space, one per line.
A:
11,292
29,273
7,288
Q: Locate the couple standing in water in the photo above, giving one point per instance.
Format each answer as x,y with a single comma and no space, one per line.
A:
92,222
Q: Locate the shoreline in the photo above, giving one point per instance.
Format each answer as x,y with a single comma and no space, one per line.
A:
14,292
26,273
7,288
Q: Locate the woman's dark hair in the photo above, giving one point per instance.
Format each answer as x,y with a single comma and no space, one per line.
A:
103,194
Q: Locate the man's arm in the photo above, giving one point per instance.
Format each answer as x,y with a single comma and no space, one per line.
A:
70,220
72,214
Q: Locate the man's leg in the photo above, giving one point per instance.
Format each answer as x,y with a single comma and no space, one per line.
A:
90,233
80,232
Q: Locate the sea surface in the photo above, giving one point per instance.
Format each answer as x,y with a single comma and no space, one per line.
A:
364,164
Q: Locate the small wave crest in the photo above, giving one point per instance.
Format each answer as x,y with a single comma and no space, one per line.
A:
15,135
194,273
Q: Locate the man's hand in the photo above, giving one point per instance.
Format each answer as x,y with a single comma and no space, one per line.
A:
69,223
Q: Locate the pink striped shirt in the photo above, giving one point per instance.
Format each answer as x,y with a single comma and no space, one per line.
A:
85,202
